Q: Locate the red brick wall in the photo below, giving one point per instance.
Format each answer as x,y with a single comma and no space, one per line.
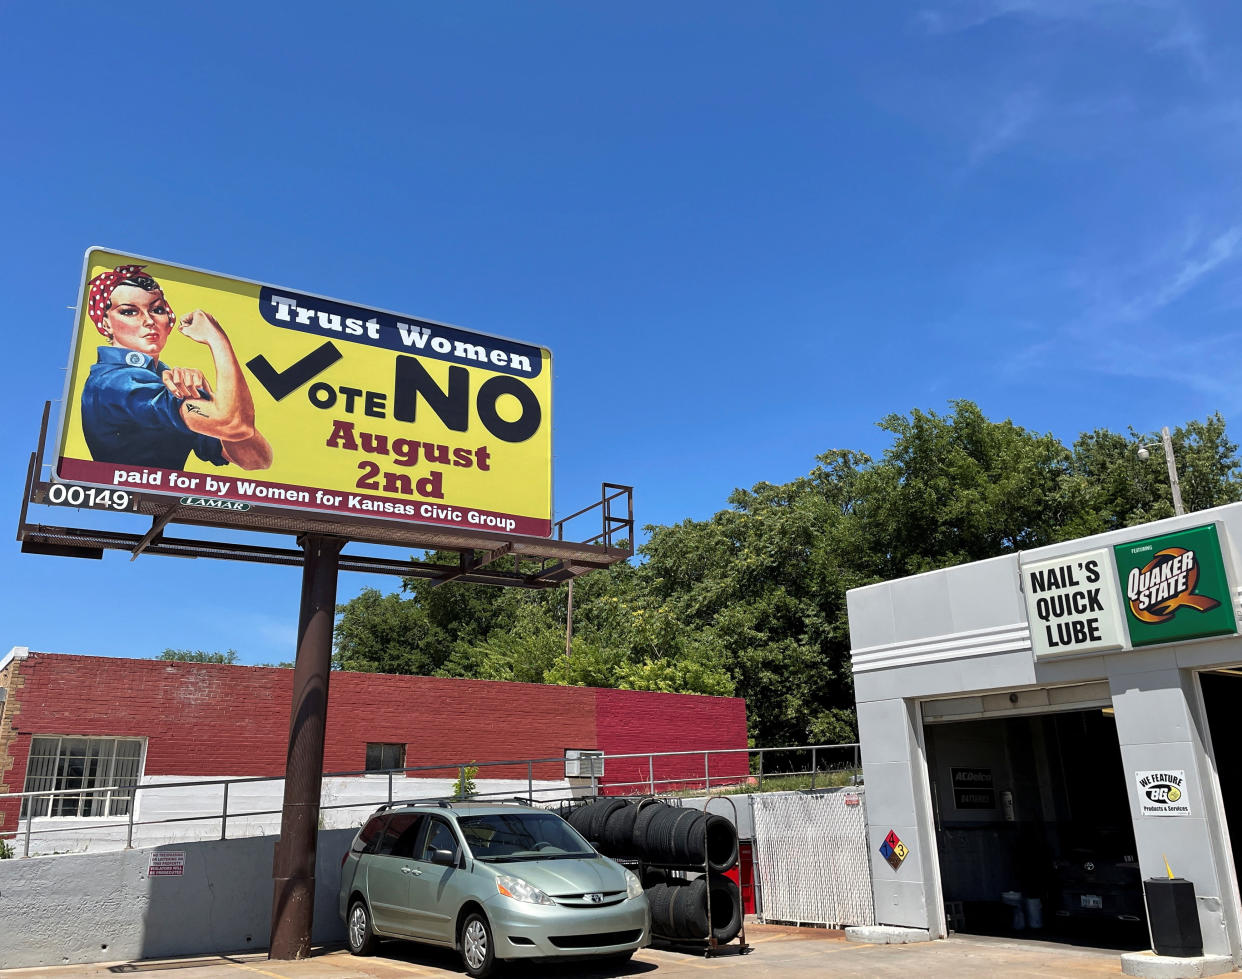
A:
209,720
630,721
447,720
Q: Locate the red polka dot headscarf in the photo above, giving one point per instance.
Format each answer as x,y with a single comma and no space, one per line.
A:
99,295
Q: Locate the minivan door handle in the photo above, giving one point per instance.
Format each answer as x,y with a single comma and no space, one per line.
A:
411,870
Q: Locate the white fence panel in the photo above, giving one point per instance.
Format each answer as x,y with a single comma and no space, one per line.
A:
813,865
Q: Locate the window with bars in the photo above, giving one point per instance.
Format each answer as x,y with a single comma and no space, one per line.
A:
381,757
100,772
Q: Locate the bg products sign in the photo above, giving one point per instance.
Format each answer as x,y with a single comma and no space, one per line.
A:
191,384
1162,793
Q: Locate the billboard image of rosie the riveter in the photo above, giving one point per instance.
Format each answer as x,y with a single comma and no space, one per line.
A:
188,383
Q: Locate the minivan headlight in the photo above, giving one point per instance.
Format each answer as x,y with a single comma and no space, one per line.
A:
519,890
633,886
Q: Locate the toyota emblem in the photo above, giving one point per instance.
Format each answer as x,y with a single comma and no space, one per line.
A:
595,898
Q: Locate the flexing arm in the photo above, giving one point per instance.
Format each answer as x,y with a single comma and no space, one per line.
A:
229,414
251,453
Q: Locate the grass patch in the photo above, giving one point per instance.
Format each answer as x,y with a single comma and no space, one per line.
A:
799,782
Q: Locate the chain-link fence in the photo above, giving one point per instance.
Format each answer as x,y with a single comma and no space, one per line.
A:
811,851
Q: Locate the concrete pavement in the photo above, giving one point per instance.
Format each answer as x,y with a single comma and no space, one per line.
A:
777,951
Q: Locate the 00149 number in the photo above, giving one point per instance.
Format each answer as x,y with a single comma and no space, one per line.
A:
67,494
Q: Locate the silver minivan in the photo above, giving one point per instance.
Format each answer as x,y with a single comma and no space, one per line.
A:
493,880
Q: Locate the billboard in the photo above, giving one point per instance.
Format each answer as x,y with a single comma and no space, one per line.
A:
192,384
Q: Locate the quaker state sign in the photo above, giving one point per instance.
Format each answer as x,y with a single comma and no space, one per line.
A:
1175,587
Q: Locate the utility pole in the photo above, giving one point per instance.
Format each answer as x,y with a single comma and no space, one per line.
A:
569,621
1167,441
1173,483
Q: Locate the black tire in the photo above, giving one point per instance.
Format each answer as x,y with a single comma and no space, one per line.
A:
599,817
619,831
359,935
659,897
689,911
580,818
660,835
720,841
478,950
678,828
642,826
688,841
653,876
657,832
726,909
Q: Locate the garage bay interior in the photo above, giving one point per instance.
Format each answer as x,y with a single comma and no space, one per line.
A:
1222,693
1033,827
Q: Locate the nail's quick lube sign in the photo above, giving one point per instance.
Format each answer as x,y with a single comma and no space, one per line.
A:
1072,604
1162,589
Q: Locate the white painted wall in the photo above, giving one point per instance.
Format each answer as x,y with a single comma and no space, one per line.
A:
102,907
361,795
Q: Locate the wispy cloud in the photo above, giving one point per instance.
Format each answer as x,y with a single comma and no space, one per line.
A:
965,15
1006,125
1166,25
1189,270
1183,36
1122,332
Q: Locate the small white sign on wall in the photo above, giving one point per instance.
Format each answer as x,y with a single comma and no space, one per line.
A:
1072,604
1162,793
166,863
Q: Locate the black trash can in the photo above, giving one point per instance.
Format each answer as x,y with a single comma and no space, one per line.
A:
1173,917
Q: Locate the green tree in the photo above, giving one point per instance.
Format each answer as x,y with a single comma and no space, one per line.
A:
752,600
958,487
379,633
228,657
1118,489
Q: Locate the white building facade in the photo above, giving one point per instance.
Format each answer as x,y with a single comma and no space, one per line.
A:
1041,732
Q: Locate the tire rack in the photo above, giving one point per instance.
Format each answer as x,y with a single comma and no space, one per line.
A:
708,947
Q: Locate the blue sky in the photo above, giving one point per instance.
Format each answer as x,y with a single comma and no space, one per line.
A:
746,231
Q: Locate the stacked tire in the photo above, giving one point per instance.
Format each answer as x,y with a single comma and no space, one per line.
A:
679,908
687,838
667,837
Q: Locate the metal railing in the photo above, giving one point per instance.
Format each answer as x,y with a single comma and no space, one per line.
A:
823,769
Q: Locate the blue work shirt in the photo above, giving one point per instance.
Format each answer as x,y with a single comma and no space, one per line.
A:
128,416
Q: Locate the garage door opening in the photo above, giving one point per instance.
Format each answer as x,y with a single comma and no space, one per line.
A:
1221,692
1033,829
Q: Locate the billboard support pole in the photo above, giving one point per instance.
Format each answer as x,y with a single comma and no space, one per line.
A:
293,871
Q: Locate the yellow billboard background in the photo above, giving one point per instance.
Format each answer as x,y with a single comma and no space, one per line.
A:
517,481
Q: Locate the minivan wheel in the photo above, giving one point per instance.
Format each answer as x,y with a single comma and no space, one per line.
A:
478,954
358,931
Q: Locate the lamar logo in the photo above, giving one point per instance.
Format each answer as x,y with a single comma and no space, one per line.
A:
1165,584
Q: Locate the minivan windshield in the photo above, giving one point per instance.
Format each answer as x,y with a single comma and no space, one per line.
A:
506,836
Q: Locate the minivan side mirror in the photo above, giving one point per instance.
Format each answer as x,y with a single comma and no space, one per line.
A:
445,858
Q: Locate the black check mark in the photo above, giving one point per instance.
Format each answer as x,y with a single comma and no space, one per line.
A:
281,384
